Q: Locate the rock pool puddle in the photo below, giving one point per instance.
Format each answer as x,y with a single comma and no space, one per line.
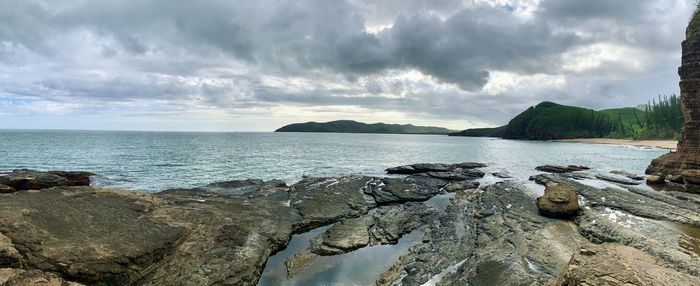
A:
359,267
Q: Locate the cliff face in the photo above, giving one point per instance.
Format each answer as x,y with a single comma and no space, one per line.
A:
684,165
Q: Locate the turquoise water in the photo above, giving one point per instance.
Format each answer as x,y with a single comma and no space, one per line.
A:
153,161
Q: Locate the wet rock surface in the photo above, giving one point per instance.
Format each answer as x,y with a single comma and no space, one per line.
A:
218,234
489,237
223,233
384,225
658,224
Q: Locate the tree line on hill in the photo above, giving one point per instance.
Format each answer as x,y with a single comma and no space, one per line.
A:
659,119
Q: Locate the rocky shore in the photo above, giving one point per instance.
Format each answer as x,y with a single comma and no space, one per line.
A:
58,230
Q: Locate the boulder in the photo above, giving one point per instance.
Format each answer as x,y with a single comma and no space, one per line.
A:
616,264
558,202
560,169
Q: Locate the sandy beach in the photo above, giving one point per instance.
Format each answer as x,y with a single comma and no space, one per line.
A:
666,144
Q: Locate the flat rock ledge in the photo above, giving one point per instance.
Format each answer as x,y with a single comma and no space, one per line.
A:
58,230
223,233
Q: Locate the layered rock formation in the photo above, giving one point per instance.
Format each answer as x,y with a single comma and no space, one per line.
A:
684,165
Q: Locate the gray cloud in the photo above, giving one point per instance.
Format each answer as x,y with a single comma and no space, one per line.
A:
477,61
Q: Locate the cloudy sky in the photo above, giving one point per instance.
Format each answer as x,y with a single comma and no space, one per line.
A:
227,65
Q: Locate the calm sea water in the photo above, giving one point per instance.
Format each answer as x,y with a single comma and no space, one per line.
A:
153,161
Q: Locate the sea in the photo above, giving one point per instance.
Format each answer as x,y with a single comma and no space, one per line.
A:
154,161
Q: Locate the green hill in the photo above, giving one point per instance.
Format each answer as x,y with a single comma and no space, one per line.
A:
349,126
549,120
660,119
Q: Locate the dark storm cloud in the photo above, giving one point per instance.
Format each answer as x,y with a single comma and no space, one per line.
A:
298,35
237,54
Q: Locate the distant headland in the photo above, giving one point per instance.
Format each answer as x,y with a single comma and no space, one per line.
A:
350,126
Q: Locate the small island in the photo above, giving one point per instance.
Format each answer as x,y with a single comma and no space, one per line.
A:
350,126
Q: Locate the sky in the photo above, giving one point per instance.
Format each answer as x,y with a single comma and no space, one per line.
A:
215,65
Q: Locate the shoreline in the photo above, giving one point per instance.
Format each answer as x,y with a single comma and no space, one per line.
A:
663,144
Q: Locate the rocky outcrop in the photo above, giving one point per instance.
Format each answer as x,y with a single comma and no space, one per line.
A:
685,162
494,237
558,202
384,225
35,180
636,218
560,169
615,264
89,235
223,233
426,167
218,234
